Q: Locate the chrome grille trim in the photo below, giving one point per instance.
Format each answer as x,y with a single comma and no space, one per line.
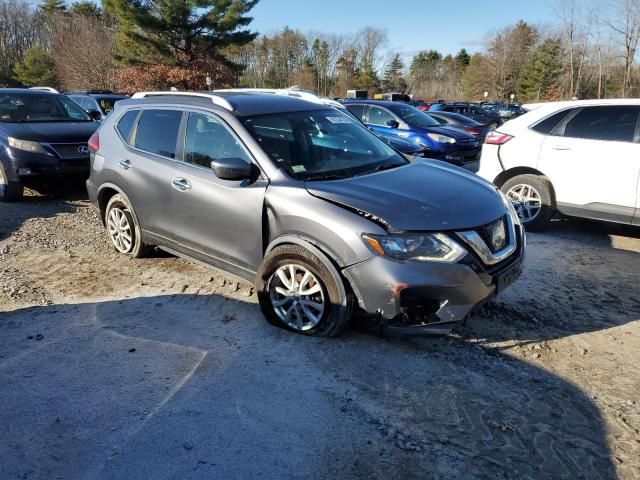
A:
478,245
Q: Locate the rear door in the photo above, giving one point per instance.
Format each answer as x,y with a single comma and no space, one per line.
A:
219,218
593,161
147,167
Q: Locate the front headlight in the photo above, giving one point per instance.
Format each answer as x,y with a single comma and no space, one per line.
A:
424,247
510,208
27,146
441,138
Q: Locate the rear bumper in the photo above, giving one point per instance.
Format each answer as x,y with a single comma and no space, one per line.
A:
490,165
425,297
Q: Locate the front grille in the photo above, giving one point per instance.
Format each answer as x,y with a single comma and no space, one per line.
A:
487,233
71,151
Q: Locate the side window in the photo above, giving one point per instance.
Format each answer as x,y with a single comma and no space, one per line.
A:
357,110
547,125
612,123
379,116
158,132
125,124
208,139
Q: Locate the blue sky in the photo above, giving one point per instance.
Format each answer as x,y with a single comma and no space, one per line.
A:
412,25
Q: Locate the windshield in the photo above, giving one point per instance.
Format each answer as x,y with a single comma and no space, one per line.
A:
35,108
321,145
414,117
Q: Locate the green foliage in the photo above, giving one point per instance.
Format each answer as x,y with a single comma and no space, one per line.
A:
178,32
36,69
392,80
86,8
52,6
542,74
366,77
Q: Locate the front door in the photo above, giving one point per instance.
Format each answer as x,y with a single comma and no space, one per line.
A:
378,118
220,218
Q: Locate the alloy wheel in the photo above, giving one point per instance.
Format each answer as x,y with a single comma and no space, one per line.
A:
297,297
4,183
526,200
120,230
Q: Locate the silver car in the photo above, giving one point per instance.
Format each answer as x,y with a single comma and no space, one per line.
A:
300,199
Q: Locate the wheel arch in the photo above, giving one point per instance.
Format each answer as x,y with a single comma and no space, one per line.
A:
503,177
105,193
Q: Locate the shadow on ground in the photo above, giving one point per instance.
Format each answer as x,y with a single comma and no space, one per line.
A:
188,386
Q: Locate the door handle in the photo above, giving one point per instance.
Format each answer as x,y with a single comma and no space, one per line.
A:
181,184
561,147
125,164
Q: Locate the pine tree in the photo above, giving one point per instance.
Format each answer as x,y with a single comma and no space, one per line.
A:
542,74
36,69
178,32
86,8
392,79
52,6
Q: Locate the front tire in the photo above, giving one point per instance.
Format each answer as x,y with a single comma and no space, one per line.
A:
123,229
9,191
533,198
303,293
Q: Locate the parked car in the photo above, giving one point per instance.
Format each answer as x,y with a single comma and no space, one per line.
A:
99,103
461,122
43,137
507,112
409,123
486,117
304,201
579,158
421,105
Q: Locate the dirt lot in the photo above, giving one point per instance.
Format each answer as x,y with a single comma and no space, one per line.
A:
113,368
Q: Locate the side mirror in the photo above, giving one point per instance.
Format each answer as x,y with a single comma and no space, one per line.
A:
96,115
232,169
393,124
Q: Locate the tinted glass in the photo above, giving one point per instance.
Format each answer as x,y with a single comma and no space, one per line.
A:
414,117
547,125
207,139
106,104
615,123
158,132
321,145
40,108
125,124
379,116
357,110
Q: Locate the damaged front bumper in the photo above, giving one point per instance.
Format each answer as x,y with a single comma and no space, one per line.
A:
430,298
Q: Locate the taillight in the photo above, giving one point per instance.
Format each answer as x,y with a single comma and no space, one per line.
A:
497,138
472,131
94,142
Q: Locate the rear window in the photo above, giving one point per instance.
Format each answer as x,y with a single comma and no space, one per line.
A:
125,124
547,125
158,132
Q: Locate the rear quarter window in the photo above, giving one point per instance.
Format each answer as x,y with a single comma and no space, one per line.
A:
547,125
126,123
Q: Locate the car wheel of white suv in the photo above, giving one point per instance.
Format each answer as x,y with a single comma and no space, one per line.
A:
533,198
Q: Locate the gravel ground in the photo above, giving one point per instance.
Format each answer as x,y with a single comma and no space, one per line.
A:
112,368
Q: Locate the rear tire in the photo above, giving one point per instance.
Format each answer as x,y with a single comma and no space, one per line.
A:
9,191
315,303
123,229
533,198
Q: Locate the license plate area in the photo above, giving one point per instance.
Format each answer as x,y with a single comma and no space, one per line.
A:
504,279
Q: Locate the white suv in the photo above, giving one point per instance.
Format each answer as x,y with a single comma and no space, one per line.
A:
581,158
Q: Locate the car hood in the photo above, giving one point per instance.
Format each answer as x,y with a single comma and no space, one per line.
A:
421,196
54,132
401,145
448,131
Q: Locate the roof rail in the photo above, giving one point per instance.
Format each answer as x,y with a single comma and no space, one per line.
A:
215,99
288,92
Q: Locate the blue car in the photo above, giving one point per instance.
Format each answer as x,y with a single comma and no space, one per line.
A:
408,123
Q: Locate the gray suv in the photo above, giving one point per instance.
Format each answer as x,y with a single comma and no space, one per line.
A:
300,199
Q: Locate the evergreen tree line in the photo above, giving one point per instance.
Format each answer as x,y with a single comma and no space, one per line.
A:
588,52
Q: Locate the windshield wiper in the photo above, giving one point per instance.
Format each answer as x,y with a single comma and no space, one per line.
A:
380,168
317,178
